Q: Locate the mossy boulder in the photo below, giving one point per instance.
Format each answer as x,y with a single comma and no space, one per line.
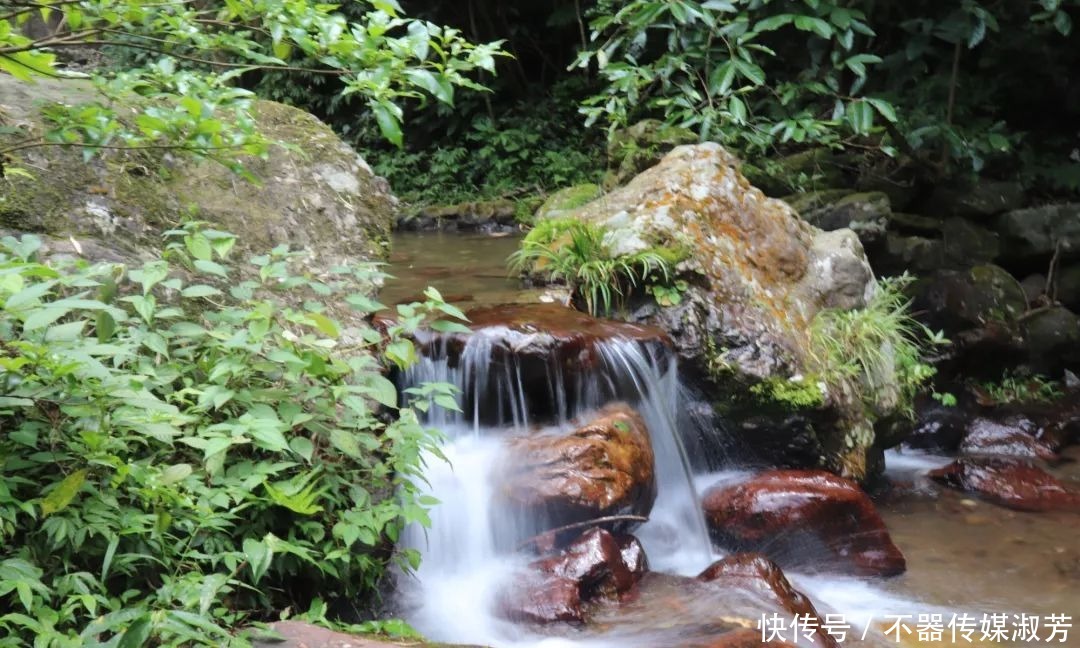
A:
636,148
315,194
563,200
756,278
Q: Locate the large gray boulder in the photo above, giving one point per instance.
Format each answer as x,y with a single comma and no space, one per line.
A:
758,275
1035,235
315,193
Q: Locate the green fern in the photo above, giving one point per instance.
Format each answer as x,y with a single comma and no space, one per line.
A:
579,254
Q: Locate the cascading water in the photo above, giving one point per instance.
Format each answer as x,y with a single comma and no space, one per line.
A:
526,380
469,550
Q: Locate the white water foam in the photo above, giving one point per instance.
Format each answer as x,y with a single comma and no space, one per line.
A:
468,553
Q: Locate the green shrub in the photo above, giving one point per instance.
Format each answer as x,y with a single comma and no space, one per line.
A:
580,254
186,450
872,350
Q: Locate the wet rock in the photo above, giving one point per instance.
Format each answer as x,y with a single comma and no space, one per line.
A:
756,573
938,428
806,519
1013,436
602,468
784,442
536,597
1067,287
1012,483
590,569
1034,287
633,554
866,214
757,276
595,562
913,224
478,216
746,639
532,344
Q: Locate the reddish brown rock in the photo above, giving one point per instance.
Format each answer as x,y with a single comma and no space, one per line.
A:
556,588
536,597
757,574
595,563
527,346
1012,483
633,554
602,468
746,639
1014,436
804,518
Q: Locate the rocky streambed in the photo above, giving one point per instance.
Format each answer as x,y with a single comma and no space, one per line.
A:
950,529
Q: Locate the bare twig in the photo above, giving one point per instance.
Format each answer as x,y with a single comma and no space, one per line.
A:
550,533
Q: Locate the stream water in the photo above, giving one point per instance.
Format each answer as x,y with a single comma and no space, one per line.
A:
963,555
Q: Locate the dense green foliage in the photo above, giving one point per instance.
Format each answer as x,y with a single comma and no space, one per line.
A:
583,256
193,57
190,446
948,88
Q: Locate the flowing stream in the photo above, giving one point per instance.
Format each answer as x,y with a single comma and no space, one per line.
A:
469,553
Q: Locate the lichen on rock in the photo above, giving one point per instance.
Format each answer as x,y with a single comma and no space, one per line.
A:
758,276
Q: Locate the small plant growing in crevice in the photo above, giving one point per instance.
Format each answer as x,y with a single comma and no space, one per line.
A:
875,349
581,255
1015,387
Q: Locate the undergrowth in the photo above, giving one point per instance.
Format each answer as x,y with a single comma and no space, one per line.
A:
188,449
875,351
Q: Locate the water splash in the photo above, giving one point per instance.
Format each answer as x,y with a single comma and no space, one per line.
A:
468,551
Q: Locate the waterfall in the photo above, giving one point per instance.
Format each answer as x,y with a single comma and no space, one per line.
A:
470,548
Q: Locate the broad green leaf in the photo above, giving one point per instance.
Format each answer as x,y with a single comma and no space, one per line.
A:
60,496
259,556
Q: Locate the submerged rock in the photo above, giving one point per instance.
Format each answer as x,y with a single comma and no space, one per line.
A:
806,519
603,468
1012,483
555,588
536,597
757,277
757,574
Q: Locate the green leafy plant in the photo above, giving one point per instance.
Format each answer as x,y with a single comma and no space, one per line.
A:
581,255
194,54
1017,388
190,445
875,350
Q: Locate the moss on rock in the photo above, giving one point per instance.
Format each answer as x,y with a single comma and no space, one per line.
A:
315,193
